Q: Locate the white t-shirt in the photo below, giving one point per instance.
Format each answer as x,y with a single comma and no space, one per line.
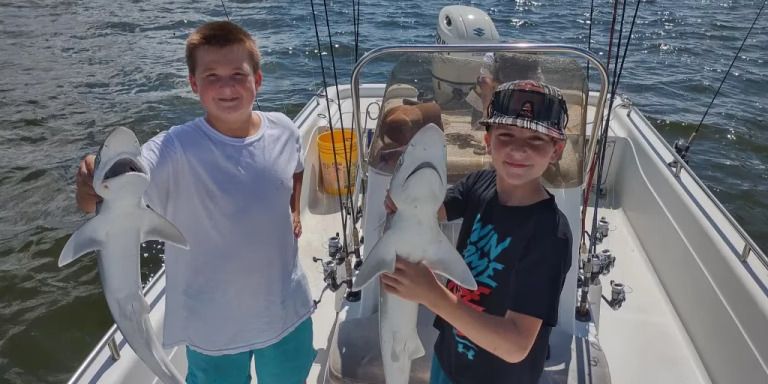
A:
240,285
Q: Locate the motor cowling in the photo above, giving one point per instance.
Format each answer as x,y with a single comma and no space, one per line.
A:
459,24
454,74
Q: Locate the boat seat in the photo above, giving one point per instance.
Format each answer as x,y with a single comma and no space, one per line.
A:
402,117
355,355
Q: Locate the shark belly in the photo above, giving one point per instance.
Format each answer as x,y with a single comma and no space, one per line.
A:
400,343
121,278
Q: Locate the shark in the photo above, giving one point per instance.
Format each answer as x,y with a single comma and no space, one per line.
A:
417,187
122,222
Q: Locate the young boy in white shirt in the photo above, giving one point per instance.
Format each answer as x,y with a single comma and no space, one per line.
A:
230,181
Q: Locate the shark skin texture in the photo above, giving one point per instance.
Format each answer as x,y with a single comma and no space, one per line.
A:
122,222
413,233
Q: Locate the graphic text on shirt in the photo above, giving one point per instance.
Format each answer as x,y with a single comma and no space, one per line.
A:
483,247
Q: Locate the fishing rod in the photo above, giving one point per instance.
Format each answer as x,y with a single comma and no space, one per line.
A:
337,246
682,147
590,271
347,156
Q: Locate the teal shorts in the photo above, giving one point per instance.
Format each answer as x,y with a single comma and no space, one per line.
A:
286,362
437,375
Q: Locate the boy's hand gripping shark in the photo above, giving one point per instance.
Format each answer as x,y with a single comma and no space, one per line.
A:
418,188
121,224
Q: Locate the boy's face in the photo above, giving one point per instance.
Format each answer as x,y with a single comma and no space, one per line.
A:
225,82
521,155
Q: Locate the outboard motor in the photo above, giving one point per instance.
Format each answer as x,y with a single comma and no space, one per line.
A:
455,74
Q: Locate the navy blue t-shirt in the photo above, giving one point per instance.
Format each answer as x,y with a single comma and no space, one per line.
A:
519,256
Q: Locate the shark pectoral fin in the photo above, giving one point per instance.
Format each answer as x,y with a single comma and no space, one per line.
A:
414,348
446,261
157,227
406,346
87,238
380,259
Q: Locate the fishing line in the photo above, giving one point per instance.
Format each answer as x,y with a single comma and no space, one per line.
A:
589,35
683,148
225,10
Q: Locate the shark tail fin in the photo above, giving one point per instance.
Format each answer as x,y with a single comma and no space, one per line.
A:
159,228
136,327
447,261
87,238
380,259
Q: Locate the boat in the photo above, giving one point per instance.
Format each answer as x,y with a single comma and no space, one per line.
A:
666,287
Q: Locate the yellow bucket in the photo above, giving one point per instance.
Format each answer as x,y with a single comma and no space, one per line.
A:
344,141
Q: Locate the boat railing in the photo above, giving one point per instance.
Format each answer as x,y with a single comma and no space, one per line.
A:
677,166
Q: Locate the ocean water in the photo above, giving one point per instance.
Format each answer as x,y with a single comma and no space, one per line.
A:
70,71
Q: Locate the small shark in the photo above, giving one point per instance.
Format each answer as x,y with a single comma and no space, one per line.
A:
122,222
418,188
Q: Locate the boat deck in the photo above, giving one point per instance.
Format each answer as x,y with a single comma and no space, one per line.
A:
644,341
659,335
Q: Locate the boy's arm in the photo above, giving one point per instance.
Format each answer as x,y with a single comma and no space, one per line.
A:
296,203
510,337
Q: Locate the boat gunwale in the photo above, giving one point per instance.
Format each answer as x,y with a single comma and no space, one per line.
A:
749,244
112,332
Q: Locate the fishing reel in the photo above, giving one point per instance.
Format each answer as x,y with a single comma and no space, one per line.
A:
588,283
331,265
681,147
335,271
603,227
618,295
602,263
597,264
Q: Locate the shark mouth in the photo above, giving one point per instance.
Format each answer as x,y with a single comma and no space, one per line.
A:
123,166
424,165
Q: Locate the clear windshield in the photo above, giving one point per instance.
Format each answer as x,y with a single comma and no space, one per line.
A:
452,90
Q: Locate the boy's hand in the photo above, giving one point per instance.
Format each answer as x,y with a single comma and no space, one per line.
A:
389,205
85,195
296,222
413,282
